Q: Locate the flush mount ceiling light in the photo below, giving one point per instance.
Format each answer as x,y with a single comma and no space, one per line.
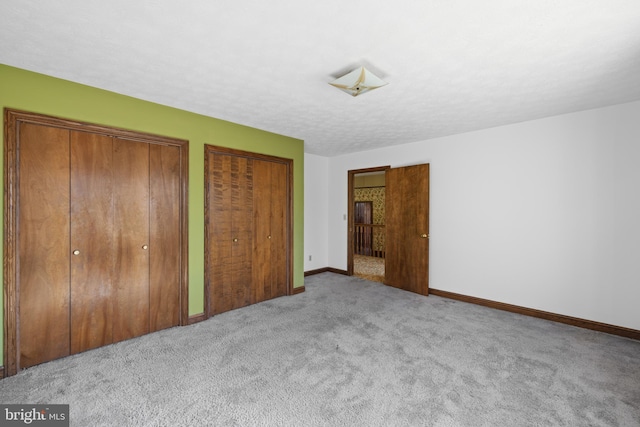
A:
358,81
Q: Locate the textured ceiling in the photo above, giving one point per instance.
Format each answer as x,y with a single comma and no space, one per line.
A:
452,66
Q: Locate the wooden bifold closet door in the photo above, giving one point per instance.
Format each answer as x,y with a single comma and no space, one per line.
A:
99,254
247,228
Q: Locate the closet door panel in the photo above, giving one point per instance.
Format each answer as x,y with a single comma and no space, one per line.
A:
220,229
43,244
262,234
92,242
219,223
278,249
230,184
269,222
241,231
131,246
164,239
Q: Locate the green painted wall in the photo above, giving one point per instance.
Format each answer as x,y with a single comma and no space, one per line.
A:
28,91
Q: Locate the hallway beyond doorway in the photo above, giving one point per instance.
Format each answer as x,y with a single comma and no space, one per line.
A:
368,267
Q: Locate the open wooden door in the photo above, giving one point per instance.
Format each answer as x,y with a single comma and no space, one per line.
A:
407,230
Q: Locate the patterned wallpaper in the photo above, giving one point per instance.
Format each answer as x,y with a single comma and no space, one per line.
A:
375,195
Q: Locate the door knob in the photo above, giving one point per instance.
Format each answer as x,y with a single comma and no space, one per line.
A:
235,240
76,252
145,247
424,236
269,237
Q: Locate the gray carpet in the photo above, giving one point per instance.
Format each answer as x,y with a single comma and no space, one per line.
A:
349,352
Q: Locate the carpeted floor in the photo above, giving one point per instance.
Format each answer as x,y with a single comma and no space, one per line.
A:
349,352
368,267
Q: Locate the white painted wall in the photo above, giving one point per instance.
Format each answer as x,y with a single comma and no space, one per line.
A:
316,199
542,214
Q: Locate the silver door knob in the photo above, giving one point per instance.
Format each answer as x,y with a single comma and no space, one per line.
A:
76,252
145,247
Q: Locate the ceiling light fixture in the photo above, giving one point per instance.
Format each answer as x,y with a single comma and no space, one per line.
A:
358,81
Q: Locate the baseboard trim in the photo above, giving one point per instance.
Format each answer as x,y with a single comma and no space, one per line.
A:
317,271
560,318
298,290
197,318
325,270
1,372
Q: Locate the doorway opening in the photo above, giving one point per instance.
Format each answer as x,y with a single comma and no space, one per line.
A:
366,213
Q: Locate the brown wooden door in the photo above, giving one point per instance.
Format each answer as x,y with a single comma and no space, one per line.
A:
230,182
43,244
279,247
247,228
407,228
98,231
165,238
131,239
269,225
115,294
92,241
